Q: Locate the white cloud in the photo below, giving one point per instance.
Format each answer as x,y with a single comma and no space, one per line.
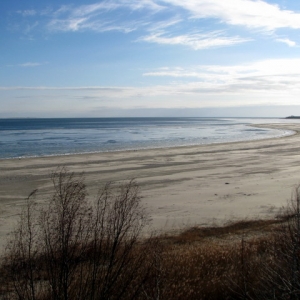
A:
252,14
196,41
194,95
287,41
266,82
267,75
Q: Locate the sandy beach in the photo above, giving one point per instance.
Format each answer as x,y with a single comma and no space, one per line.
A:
183,186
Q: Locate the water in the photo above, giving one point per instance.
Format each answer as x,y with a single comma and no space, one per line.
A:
47,137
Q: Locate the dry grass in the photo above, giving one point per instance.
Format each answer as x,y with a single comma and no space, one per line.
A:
230,231
217,262
206,263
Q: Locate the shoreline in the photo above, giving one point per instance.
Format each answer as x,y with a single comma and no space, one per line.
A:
202,142
292,132
180,186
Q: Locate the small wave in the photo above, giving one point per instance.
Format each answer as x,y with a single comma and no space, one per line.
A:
255,130
111,142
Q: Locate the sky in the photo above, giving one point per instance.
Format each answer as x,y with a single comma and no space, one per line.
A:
133,58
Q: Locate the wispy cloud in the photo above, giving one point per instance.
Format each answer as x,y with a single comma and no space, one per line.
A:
196,41
31,64
93,16
143,4
161,25
89,10
28,64
174,72
28,12
81,24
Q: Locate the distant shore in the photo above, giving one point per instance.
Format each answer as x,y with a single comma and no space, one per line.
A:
293,117
180,187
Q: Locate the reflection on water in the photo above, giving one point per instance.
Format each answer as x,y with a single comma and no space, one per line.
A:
43,137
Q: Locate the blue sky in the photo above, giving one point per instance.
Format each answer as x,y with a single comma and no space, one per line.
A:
149,58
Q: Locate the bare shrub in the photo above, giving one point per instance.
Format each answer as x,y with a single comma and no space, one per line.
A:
23,253
71,249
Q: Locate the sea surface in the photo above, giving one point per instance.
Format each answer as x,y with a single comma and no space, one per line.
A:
51,137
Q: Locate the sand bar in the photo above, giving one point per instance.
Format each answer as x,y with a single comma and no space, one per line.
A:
184,186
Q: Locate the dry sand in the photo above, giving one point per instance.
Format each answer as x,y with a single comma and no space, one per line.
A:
184,186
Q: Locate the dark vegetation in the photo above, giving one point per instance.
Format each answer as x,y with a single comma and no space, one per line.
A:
293,117
73,249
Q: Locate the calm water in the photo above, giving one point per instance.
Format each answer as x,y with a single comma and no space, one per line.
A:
44,137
